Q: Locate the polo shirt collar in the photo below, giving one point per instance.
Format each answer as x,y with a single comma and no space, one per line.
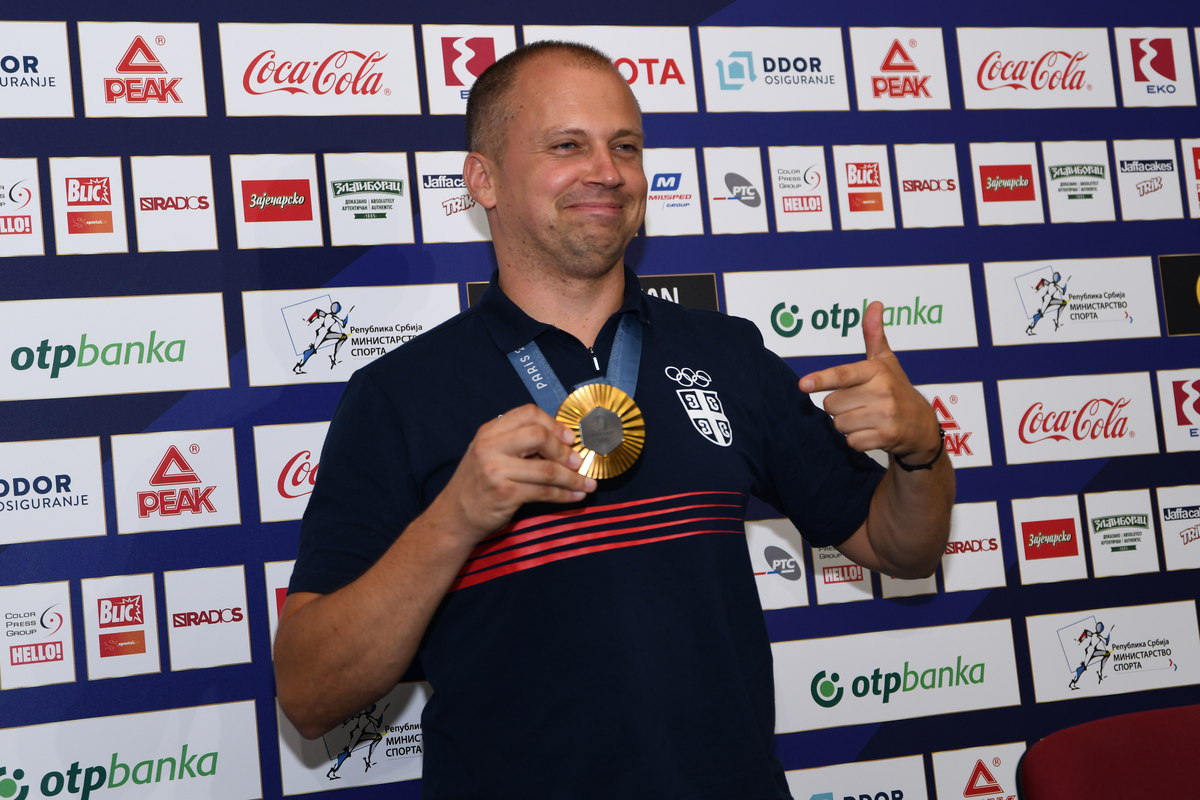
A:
511,327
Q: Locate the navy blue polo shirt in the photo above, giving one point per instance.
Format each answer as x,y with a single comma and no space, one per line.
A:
615,647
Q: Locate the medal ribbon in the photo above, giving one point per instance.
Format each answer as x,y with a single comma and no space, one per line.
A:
547,390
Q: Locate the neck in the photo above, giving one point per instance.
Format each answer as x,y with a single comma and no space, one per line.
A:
579,305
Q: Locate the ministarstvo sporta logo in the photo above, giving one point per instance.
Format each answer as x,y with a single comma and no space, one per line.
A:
827,691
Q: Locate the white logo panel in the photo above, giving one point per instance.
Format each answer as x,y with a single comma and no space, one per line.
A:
890,675
1147,179
838,579
308,70
455,55
207,617
673,201
146,748
51,490
864,186
1049,539
777,553
89,205
987,773
930,190
141,69
1179,510
974,557
39,646
1156,67
369,198
1191,174
1179,393
324,335
1077,416
736,199
275,201
36,82
1071,300
1121,525
286,457
800,181
892,778
448,212
174,480
656,62
1007,188
82,347
1036,67
898,69
773,69
173,203
901,587
20,207
962,414
278,574
121,619
383,743
1078,185
812,312
1108,651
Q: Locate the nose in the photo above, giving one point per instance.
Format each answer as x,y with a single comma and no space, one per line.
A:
602,169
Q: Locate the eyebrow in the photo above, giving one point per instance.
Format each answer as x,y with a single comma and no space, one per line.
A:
556,132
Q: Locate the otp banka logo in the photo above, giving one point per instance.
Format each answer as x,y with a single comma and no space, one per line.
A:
464,58
827,692
1154,60
742,190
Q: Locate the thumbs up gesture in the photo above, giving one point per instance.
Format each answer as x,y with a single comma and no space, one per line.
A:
873,402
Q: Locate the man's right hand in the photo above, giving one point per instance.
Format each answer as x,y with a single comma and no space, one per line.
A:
523,456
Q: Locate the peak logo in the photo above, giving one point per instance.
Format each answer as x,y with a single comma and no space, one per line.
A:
139,59
1049,538
826,692
956,439
174,470
983,784
900,80
464,58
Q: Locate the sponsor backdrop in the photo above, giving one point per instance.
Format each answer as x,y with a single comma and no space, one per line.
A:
212,214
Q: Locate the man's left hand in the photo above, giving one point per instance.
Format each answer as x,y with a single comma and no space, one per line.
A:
873,402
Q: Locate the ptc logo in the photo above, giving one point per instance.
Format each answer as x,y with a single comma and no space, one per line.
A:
8,786
785,320
782,563
742,190
826,693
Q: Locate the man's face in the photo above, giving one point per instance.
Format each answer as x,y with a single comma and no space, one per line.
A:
569,184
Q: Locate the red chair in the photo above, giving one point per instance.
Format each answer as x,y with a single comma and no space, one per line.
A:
1149,754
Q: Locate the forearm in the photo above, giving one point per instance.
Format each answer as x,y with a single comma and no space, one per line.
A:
337,653
909,520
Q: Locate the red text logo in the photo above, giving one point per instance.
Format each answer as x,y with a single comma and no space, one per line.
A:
1007,183
900,80
1056,69
630,72
298,476
939,185
466,55
808,202
213,616
1049,538
174,470
339,72
35,653
1155,55
847,574
863,174
125,643
1187,402
88,192
180,203
16,224
116,612
276,201
972,546
1099,418
139,59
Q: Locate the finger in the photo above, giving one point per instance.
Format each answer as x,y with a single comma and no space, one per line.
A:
838,377
868,419
531,414
873,335
538,472
535,440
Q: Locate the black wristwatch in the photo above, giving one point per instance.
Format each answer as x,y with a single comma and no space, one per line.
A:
928,464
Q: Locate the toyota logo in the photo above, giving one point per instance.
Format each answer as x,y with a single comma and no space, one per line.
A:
688,377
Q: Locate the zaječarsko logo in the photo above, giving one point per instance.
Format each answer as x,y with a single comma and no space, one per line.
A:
464,58
1049,538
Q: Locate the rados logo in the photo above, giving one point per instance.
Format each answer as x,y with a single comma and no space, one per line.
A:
140,60
210,616
174,470
115,354
827,692
787,320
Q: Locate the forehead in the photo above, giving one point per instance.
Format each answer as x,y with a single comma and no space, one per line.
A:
552,92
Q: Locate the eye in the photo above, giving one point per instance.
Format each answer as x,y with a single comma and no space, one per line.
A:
565,146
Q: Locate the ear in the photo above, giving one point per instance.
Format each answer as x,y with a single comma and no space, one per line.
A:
479,174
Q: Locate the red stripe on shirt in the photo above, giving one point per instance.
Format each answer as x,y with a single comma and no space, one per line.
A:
513,527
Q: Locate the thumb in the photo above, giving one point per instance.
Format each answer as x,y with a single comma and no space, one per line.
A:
873,335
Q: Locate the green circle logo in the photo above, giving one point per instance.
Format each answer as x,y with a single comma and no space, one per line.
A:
785,321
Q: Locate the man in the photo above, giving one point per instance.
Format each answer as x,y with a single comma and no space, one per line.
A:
584,638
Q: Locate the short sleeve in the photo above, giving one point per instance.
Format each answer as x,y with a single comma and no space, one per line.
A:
810,474
365,494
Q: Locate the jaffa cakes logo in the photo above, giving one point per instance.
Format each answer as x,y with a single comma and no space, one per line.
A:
983,784
109,355
1089,648
89,192
1176,513
19,624
901,76
1154,63
173,470
863,175
738,70
1007,183
323,324
1077,181
97,777
1140,166
1187,406
284,200
1049,538
805,180
451,205
366,730
741,190
1045,296
703,407
957,443
340,72
787,320
464,58
827,693
367,198
667,188
782,563
121,612
15,198
1053,71
151,83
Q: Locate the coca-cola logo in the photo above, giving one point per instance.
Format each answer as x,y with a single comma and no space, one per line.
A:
340,72
1056,69
1098,418
298,476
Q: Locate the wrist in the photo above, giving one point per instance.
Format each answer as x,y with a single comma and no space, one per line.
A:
922,459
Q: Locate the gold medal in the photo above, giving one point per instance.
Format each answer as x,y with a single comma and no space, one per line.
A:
608,426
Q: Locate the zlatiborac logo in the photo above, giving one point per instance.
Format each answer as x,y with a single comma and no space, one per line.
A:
276,201
1049,538
1098,418
174,470
298,476
139,59
340,72
1056,69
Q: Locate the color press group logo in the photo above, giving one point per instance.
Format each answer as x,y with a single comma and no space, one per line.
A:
16,198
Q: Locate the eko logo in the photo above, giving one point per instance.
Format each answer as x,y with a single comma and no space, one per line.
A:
465,58
826,692
1154,59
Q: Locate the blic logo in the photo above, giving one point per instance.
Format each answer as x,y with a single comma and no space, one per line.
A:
174,470
901,80
1097,418
864,174
212,616
88,192
827,694
139,59
23,358
1056,69
116,612
298,476
668,72
180,203
339,72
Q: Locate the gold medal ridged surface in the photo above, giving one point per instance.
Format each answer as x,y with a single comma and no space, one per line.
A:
602,395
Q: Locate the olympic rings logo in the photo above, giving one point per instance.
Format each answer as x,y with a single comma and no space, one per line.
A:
688,377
